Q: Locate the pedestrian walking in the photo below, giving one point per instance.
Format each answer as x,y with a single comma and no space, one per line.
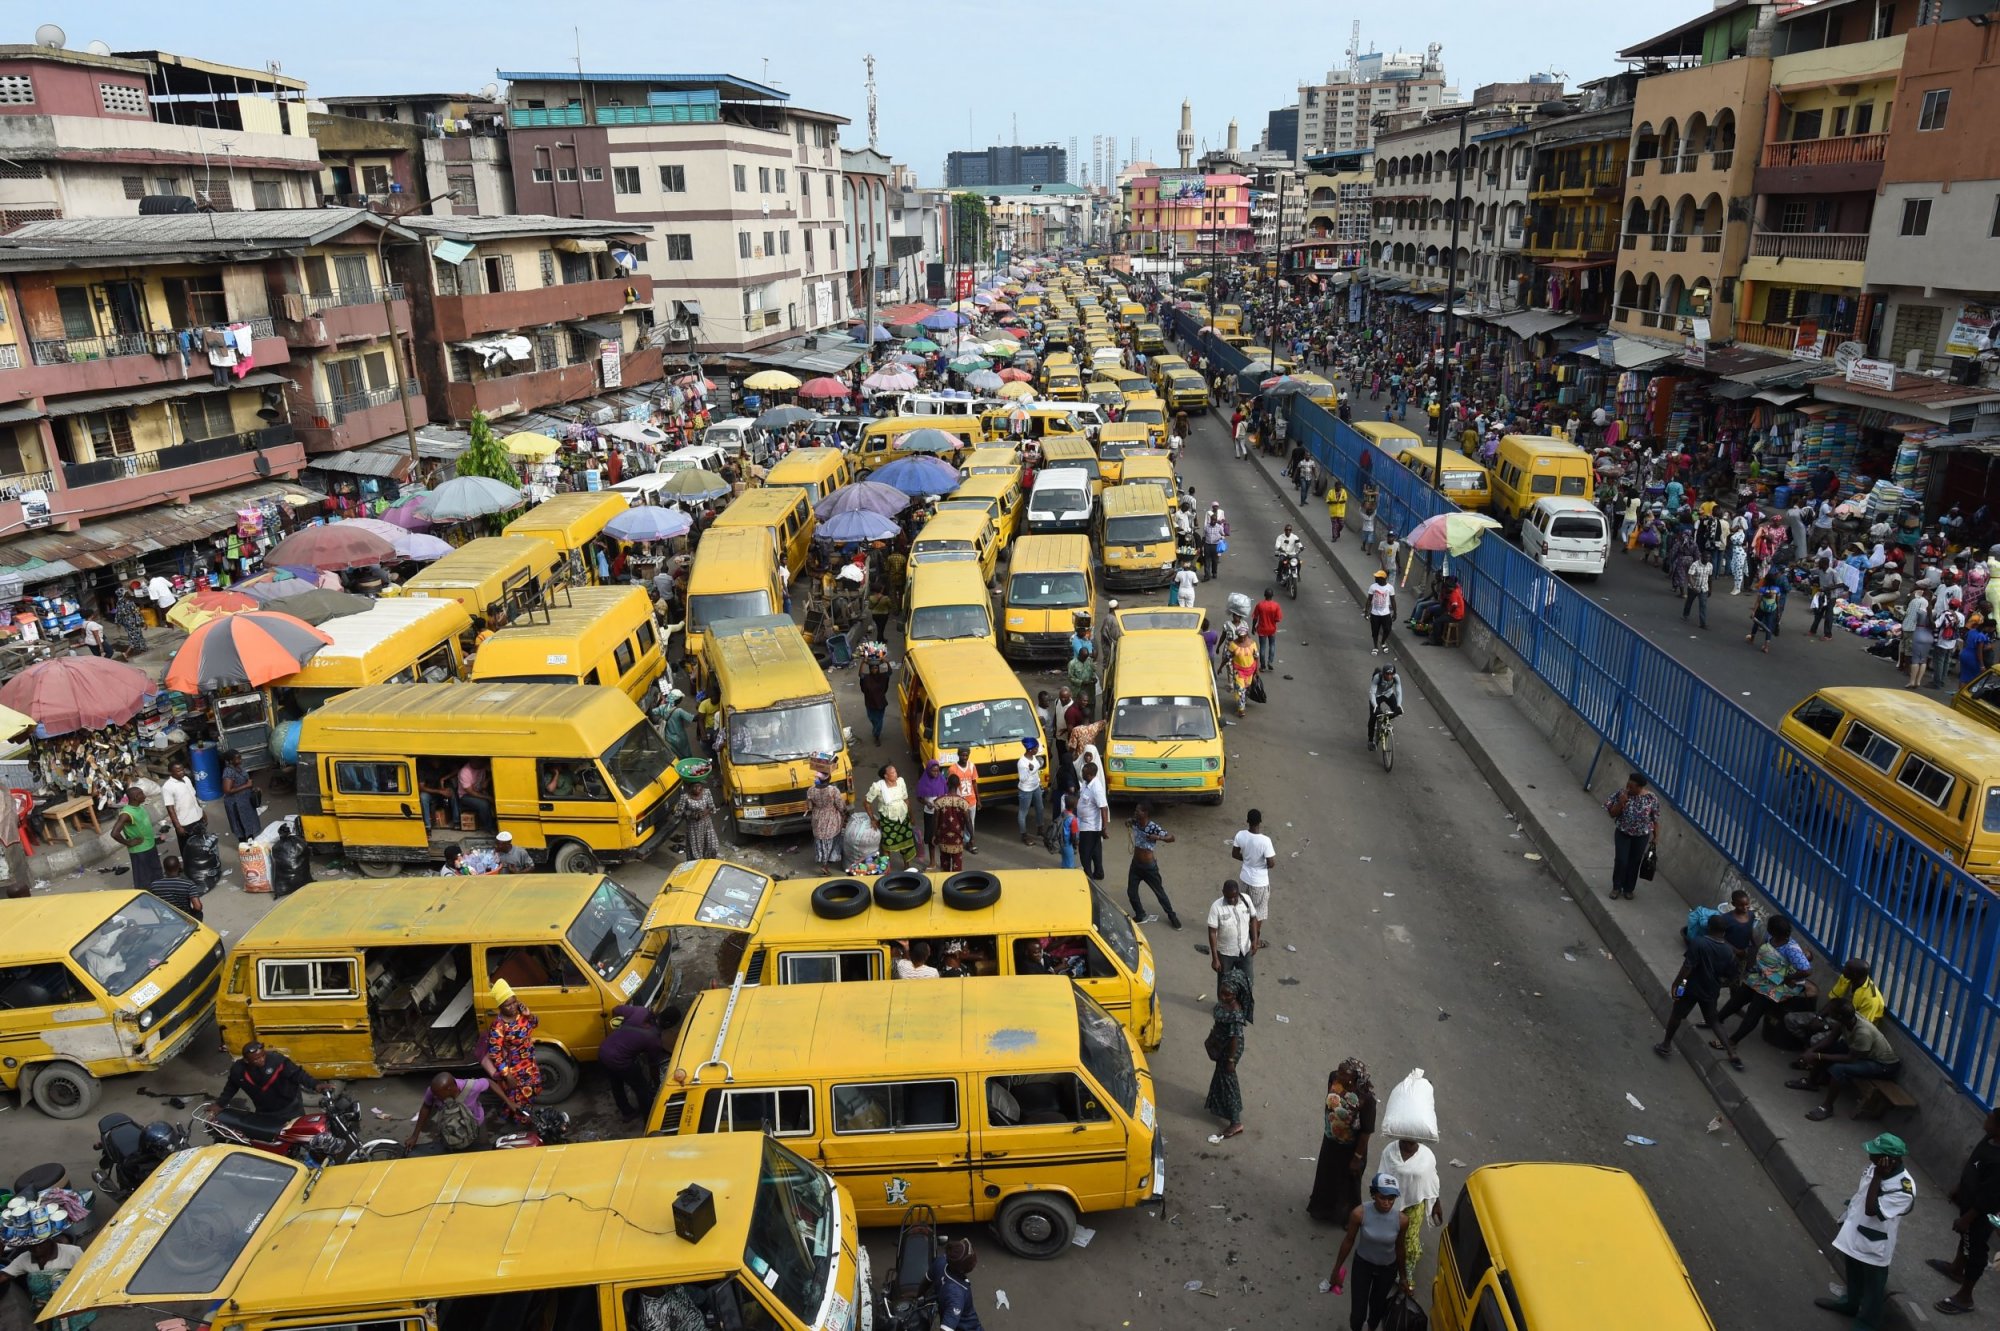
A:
1636,811
133,828
1233,941
954,825
1707,964
1214,541
1255,851
1147,835
1367,526
1224,1047
1182,594
1343,1149
1868,1228
1696,583
1305,473
1336,509
1381,612
932,786
873,678
698,808
1066,830
1918,639
1764,612
1414,1167
1390,548
1374,1237
826,811
1082,672
1265,617
1029,769
967,776
1093,810
1977,1197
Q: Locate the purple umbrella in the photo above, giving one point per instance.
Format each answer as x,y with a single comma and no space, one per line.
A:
863,497
279,589
407,517
919,476
859,525
944,319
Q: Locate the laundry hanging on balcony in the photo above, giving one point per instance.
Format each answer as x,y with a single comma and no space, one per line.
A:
493,350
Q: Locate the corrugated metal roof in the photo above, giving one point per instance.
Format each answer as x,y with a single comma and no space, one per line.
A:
138,397
51,554
716,81
79,241
364,462
528,224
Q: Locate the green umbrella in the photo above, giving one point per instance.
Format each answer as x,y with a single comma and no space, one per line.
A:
968,364
920,344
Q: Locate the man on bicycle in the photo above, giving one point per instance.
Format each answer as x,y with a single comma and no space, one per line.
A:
1385,697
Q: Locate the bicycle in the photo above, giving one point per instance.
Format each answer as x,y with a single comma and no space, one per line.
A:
1382,731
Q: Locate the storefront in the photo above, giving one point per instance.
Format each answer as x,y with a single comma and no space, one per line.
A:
1919,434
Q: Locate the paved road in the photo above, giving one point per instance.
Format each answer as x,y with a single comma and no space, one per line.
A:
1410,928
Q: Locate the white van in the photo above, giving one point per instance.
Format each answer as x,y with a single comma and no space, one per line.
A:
1567,535
1061,501
738,436
940,404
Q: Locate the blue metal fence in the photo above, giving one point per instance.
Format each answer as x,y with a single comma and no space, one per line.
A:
1853,882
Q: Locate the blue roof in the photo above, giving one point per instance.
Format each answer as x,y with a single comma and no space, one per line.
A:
723,82
1502,133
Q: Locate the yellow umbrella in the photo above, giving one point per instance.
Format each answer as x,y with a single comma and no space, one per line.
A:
765,381
1015,388
528,444
197,608
13,724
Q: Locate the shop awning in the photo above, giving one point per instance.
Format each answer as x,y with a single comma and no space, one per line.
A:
1534,323
139,397
1731,392
1780,397
15,415
53,554
1630,353
603,332
581,245
826,359
1917,396
365,462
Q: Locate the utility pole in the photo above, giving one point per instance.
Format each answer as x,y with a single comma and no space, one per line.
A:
1450,304
398,342
1277,263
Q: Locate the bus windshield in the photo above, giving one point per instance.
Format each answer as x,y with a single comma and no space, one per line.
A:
705,610
942,623
133,943
790,1249
997,722
1031,590
637,759
778,733
607,931
1136,531
1161,718
1105,1053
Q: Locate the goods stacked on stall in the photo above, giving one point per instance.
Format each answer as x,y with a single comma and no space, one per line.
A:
1826,439
1632,404
39,617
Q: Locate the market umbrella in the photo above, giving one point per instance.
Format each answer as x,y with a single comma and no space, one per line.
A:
900,358
331,546
919,476
319,605
464,497
928,440
388,531
1014,376
695,484
197,608
982,298
770,381
863,497
530,444
984,380
825,386
78,693
1016,388
881,334
943,319
406,513
859,525
777,418
270,588
249,649
1454,533
920,344
1001,346
1282,386
889,381
420,548
968,364
649,524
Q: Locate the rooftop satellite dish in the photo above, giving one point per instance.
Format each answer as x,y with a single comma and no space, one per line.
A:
491,92
50,35
1846,354
99,47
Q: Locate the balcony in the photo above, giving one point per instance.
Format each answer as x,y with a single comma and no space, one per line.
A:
1822,166
352,314
332,426
460,318
1826,152
1834,246
1722,161
58,366
511,394
174,474
1711,244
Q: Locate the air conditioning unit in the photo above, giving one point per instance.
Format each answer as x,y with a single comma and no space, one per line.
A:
1965,371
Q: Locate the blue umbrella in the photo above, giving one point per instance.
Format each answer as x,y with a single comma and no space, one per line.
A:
859,525
649,524
881,334
863,497
919,476
944,319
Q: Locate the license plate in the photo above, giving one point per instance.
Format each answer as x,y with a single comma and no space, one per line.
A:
752,812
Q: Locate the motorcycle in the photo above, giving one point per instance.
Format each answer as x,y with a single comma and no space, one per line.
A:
127,1153
330,1135
1288,574
907,1301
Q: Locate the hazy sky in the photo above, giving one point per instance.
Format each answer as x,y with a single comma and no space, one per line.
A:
949,75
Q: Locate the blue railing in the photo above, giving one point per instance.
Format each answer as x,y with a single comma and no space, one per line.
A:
1854,882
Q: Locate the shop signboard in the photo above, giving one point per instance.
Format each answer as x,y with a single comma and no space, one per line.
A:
1810,342
964,284
611,363
1971,331
1697,352
1877,374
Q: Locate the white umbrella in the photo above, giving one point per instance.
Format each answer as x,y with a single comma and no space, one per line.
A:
464,497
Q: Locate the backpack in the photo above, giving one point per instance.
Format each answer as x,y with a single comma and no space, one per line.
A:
1052,834
1697,922
457,1130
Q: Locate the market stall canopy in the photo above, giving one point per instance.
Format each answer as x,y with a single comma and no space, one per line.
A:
771,381
824,387
928,440
859,525
331,546
695,484
246,650
919,476
1631,353
319,604
649,524
464,497
863,497
78,693
777,418
530,444
1454,533
198,607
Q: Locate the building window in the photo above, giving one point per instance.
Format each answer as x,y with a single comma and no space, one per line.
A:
829,189
16,90
566,174
375,179
205,416
625,179
784,242
1916,217
742,174
594,173
1864,117
743,244
1994,230
680,247
267,194
548,259
673,179
541,175
135,187
770,243
763,180
1936,103
778,179
122,99
1792,216
548,352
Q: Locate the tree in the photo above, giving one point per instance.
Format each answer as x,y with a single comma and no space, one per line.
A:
484,456
970,211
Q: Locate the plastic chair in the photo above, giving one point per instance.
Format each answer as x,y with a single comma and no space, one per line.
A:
24,804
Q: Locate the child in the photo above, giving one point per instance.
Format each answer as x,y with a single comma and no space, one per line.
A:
1066,830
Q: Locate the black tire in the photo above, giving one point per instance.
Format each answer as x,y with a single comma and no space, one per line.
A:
64,1090
1035,1225
973,889
905,889
1387,749
377,1152
560,1075
572,857
840,898
379,868
1292,586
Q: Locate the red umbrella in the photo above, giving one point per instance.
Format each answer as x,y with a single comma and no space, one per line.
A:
825,386
78,693
252,648
1012,375
331,545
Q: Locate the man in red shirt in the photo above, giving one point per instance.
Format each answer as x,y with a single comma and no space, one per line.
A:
1264,617
1451,610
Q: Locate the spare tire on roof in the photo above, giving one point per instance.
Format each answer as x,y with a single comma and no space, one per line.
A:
840,898
975,889
905,889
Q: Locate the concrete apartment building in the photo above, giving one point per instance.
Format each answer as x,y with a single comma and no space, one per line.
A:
1337,207
85,135
1576,189
1006,164
742,191
1185,214
1338,115
430,143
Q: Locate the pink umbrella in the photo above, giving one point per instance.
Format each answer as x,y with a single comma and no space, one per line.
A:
331,546
883,381
407,516
823,387
78,693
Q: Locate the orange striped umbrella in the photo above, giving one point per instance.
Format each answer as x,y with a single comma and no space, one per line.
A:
250,648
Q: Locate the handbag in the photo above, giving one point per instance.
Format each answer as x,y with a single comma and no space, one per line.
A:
1650,865
1255,693
1216,1046
1403,1314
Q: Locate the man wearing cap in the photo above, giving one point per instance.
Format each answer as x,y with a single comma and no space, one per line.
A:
1868,1228
1381,612
274,1083
510,857
1028,782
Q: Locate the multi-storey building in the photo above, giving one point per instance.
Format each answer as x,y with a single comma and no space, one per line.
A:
1339,114
866,181
458,141
85,135
1338,213
1576,188
1007,164
919,225
1186,214
510,314
1037,219
742,188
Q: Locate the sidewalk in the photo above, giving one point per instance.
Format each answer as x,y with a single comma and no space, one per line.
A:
1814,1165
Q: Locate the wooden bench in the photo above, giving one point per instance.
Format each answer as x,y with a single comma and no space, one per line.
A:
62,814
1878,1097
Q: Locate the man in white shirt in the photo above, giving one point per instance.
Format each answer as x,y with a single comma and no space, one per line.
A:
1233,936
1381,612
1092,809
162,593
917,965
1028,782
1185,579
1868,1229
1256,852
183,804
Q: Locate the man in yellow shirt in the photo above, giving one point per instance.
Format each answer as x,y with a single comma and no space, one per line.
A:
1858,987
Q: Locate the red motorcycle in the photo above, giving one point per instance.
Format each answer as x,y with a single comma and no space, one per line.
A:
329,1135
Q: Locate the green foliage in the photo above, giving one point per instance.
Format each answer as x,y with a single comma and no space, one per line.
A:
485,456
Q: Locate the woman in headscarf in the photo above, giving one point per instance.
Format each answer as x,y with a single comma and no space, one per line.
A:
1680,556
888,803
1224,1048
953,814
698,807
1343,1148
125,613
826,810
509,1058
932,786
1242,667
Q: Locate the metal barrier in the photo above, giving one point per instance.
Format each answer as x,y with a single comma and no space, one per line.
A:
1854,882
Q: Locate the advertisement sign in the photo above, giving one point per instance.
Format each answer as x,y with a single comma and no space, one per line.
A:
1810,343
964,285
1866,373
1971,332
610,364
1354,303
822,304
